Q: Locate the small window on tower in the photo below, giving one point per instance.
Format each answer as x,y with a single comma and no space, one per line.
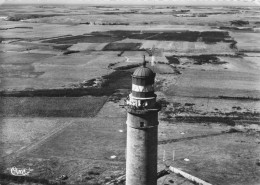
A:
141,124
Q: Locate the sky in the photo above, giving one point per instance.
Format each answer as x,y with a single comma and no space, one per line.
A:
148,2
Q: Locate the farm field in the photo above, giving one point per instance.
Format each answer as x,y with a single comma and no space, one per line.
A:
65,72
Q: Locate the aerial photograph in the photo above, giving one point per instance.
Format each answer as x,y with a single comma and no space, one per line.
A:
129,92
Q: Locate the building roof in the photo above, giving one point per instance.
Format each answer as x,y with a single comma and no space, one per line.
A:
143,72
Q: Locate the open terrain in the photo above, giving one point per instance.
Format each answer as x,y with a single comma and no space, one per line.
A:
65,72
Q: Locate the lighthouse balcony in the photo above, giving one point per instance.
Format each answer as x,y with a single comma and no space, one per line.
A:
142,105
143,110
138,102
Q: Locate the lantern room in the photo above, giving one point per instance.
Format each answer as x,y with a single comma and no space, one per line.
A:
142,95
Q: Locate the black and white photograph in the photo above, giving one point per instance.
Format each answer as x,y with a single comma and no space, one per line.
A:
129,92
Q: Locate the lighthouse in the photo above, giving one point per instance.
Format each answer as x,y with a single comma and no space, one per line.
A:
142,129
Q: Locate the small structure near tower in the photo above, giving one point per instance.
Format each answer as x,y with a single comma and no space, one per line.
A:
142,129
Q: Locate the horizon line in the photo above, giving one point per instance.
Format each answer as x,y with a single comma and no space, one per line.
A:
139,2
130,4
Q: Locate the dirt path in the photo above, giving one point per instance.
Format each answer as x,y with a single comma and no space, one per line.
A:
8,158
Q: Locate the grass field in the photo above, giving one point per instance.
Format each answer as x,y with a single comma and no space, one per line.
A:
216,83
122,47
226,158
82,39
19,132
51,106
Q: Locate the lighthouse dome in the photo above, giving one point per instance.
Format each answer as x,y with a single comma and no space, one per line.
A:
143,72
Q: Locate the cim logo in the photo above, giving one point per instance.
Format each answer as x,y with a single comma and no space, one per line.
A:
20,171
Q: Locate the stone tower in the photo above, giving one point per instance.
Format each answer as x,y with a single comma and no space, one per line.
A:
142,129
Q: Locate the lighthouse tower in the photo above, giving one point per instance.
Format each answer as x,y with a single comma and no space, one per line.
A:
142,129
